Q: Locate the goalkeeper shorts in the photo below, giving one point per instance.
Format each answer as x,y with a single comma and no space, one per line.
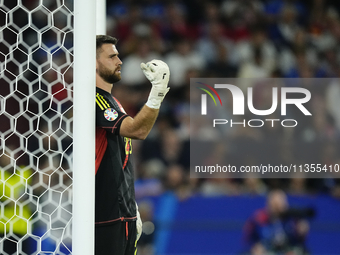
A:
118,238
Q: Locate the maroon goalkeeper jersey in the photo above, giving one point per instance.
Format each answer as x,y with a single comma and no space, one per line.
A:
115,194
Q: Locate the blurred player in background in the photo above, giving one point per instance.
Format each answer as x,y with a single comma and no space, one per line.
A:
118,227
278,229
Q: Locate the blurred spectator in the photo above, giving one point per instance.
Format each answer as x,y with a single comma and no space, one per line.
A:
284,31
208,46
288,54
142,53
124,19
277,229
322,23
253,186
332,99
149,180
253,69
219,186
273,9
221,67
174,178
298,185
302,69
174,23
248,10
171,148
182,59
259,52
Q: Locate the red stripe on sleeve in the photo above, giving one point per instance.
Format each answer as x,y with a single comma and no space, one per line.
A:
101,144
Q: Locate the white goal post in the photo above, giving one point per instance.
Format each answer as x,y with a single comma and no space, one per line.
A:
84,127
47,132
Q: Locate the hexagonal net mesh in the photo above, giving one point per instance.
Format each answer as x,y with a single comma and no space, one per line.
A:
36,83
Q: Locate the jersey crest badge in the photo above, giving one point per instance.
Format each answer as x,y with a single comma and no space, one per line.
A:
110,114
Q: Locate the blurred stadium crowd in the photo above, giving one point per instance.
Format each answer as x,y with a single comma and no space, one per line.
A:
196,38
231,38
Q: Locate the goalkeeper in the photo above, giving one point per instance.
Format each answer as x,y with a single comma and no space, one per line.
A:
118,225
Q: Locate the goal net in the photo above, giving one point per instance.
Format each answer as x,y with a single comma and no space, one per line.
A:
36,118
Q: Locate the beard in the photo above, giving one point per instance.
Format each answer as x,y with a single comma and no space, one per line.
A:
110,76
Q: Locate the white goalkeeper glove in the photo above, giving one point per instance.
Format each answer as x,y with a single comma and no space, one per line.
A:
158,73
139,224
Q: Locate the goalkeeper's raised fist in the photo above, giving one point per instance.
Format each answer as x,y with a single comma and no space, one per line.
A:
158,73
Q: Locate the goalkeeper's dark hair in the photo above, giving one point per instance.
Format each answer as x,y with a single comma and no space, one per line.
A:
104,39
